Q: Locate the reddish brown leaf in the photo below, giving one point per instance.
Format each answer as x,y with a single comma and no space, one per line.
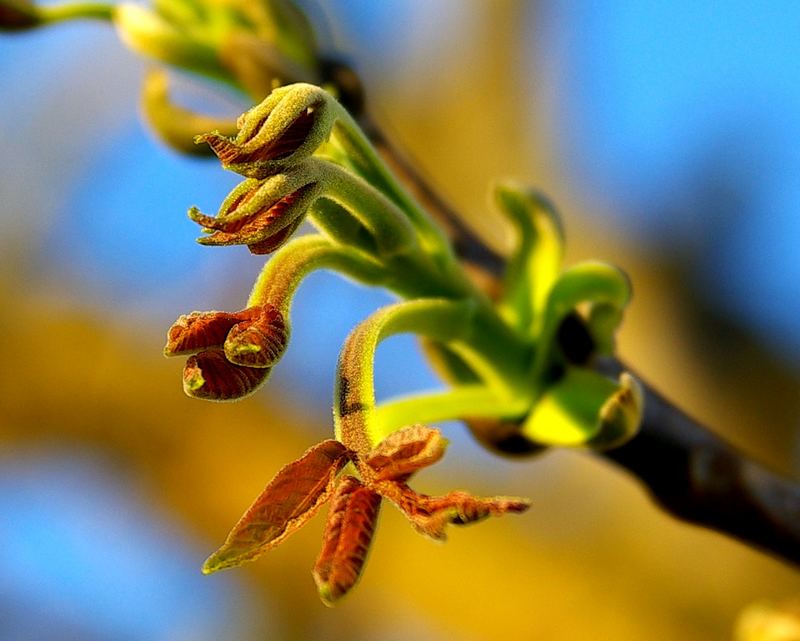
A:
232,152
431,514
269,245
405,451
292,497
290,140
223,147
255,227
202,330
348,534
212,377
259,343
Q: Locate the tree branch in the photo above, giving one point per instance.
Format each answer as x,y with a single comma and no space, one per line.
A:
688,470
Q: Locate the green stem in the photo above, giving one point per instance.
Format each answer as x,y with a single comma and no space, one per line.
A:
497,354
283,273
354,399
50,14
392,232
362,157
467,401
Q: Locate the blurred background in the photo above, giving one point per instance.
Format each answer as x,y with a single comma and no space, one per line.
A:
669,135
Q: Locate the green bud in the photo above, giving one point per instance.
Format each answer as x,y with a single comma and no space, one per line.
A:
584,408
288,126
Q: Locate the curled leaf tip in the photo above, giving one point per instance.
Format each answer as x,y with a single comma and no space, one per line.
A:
211,565
621,415
212,377
348,534
219,144
262,342
287,126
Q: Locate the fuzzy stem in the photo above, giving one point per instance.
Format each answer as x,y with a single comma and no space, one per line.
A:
391,229
50,14
361,156
354,398
284,272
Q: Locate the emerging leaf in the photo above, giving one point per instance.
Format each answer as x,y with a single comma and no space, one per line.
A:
248,223
289,500
348,534
201,330
405,451
232,152
431,514
259,343
621,414
286,127
586,409
212,377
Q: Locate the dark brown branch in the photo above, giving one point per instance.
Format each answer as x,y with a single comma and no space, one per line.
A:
468,245
699,478
692,473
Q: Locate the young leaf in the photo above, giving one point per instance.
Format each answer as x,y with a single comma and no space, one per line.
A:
212,377
405,451
289,500
431,514
585,408
348,534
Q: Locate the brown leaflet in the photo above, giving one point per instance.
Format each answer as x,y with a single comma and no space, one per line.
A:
290,499
201,330
212,377
269,245
405,451
290,140
231,152
346,540
430,515
255,227
259,343
223,147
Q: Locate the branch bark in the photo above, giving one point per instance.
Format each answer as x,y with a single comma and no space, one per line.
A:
689,471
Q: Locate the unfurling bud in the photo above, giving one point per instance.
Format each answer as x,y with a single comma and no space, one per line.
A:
260,343
202,330
212,377
260,214
289,125
236,350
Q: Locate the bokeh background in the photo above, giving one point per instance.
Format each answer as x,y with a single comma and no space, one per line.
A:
668,133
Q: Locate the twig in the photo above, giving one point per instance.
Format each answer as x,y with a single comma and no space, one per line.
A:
688,470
